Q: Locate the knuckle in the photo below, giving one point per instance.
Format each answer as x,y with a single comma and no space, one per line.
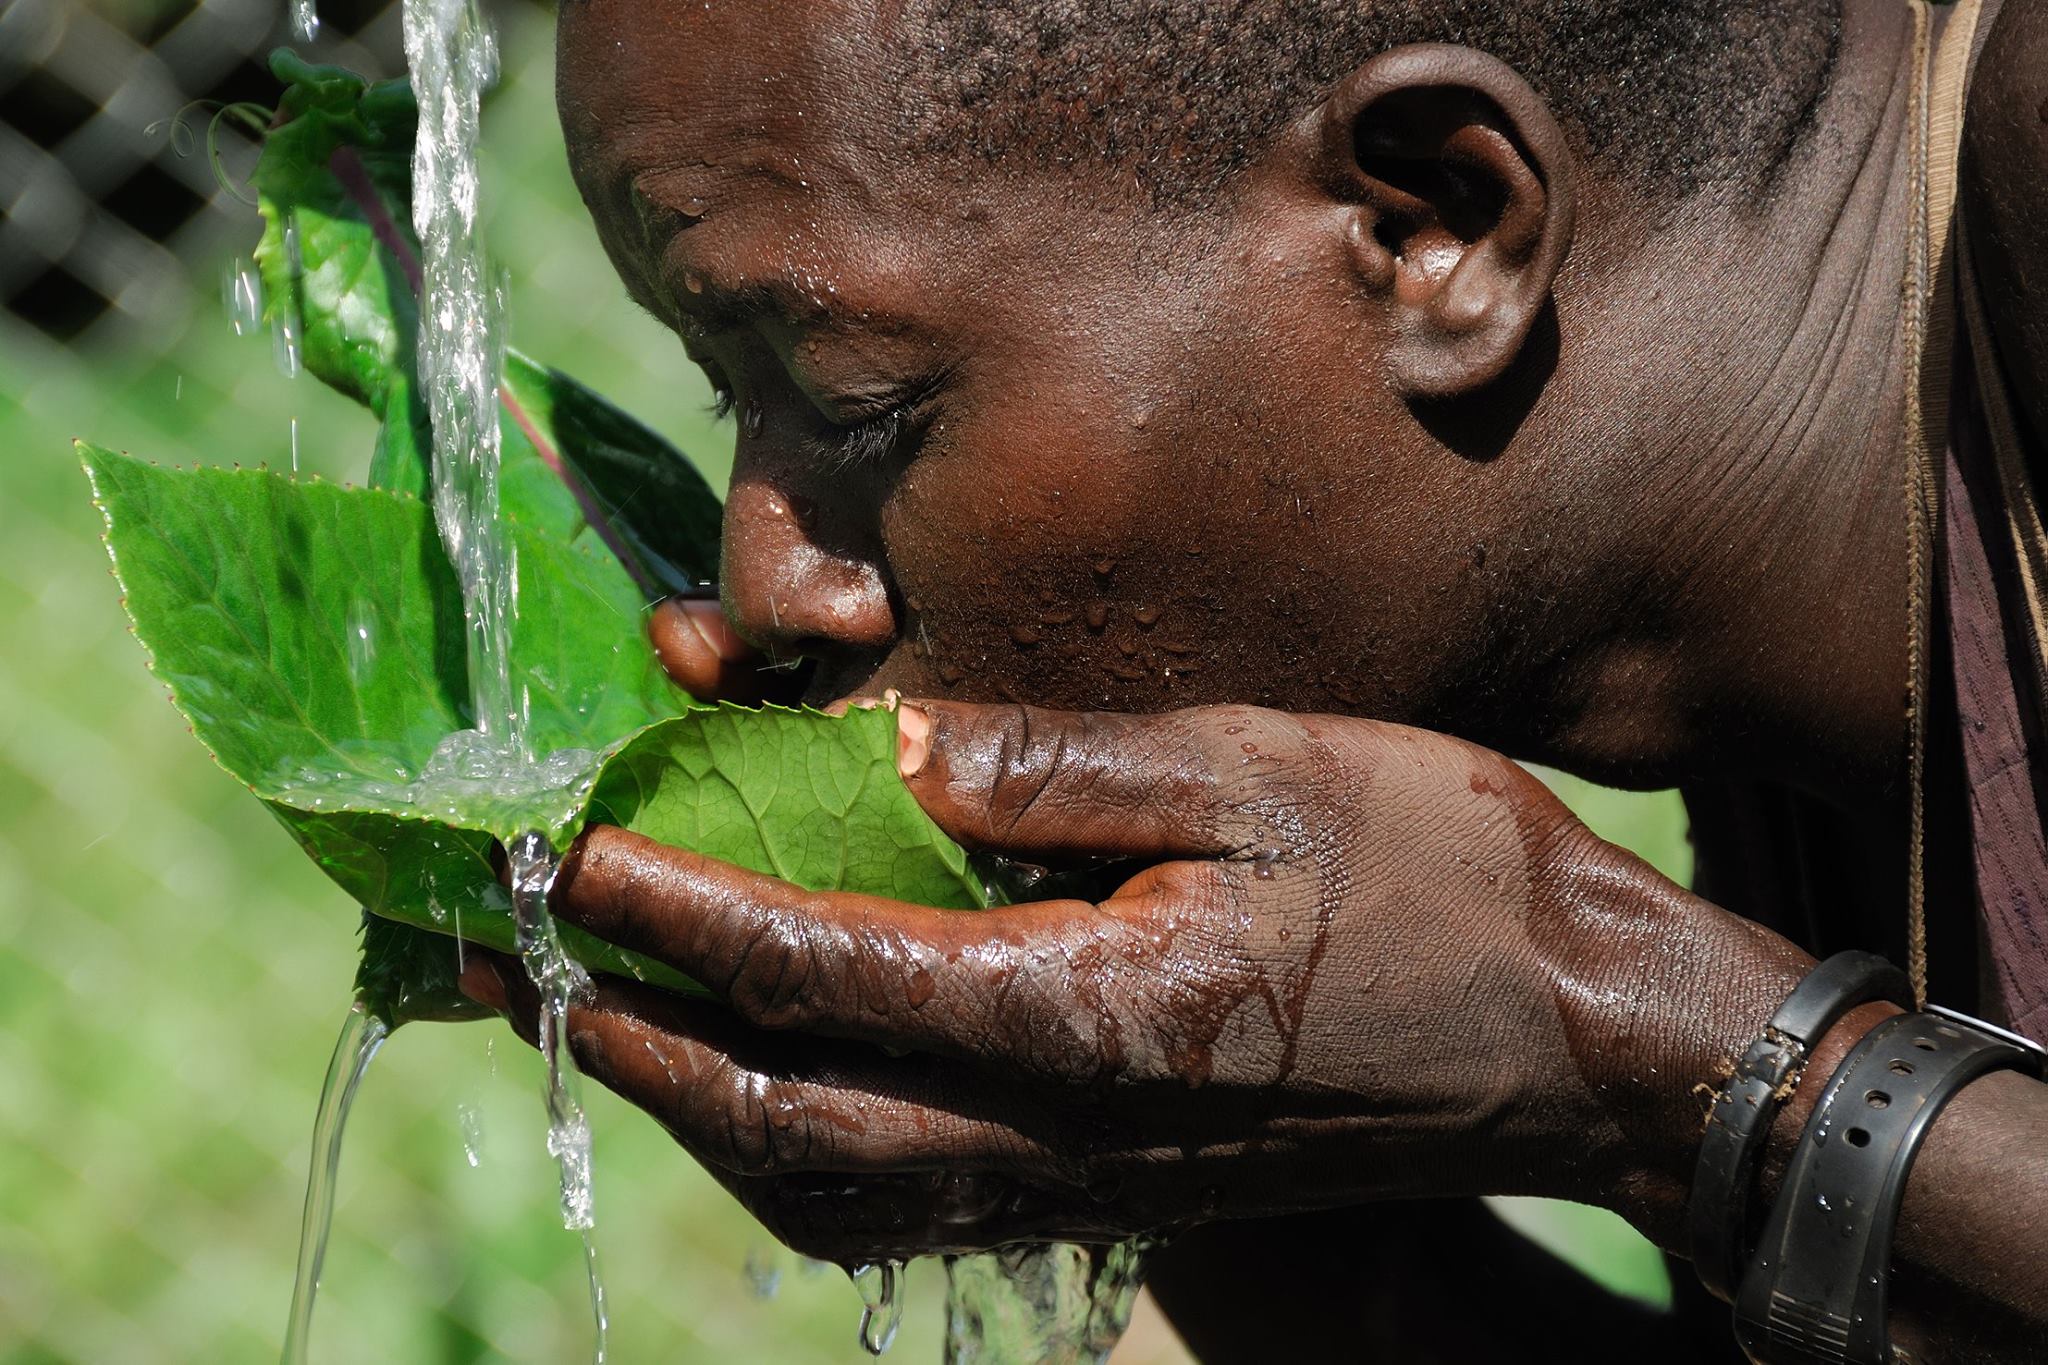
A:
1025,754
766,1129
775,974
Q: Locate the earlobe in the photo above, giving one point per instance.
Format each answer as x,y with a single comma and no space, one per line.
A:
1460,182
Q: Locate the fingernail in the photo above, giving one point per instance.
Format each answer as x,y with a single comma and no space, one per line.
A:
913,739
717,633
479,981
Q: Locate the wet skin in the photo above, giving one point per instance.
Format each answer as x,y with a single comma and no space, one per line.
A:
1425,429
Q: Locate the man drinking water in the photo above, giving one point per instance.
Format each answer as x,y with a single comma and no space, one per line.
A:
1232,428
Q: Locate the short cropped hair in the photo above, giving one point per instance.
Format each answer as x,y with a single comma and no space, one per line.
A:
1183,93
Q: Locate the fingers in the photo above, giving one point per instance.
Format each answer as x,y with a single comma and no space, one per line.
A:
783,958
706,657
1052,785
755,1104
902,1216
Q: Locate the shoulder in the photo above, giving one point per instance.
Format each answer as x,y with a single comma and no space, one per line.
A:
2005,192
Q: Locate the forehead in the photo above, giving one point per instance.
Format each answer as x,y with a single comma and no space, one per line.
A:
700,100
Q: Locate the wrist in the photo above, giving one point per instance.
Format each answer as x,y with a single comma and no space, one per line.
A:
1670,993
1821,1063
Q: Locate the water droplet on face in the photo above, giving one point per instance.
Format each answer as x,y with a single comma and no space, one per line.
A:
1024,636
920,988
1145,616
752,420
1096,615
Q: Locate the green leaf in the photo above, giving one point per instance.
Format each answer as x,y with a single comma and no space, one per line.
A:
335,246
340,267
313,636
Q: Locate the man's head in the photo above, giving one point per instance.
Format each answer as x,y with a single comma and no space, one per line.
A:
1136,355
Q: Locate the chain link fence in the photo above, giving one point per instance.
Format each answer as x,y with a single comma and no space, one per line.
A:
110,186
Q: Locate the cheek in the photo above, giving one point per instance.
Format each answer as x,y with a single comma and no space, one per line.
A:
1176,564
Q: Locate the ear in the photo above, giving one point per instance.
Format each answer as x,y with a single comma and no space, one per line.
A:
1458,185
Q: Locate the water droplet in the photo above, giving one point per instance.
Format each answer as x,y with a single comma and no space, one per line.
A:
471,1120
241,296
305,20
881,1307
361,639
920,988
1024,636
1097,615
752,420
762,1272
1146,616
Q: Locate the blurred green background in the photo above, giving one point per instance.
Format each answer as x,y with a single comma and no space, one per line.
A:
173,971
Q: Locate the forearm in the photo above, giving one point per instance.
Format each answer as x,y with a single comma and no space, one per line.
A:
1970,1269
1970,1259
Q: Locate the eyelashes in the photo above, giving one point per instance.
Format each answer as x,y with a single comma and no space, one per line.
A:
864,443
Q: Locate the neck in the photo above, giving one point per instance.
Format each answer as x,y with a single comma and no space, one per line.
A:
1773,514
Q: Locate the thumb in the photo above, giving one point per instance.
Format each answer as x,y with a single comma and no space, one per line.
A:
1035,783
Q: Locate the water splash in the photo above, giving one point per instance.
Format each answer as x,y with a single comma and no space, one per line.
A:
1055,1303
881,1313
305,20
362,1033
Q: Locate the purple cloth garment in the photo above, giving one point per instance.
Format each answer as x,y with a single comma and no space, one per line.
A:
2000,717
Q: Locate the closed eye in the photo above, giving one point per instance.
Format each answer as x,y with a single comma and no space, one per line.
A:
866,442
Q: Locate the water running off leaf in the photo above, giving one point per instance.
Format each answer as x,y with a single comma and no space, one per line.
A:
362,1033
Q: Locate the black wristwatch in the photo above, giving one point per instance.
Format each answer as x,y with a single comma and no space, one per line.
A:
1815,1292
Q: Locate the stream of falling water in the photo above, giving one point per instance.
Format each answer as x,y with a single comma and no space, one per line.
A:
362,1033
559,979
453,59
1041,1304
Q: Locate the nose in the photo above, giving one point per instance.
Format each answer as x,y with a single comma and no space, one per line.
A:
795,581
